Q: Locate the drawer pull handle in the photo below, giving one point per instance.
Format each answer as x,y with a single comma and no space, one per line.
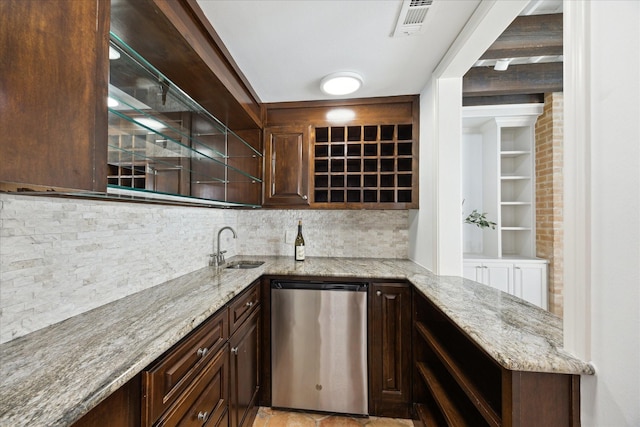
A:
379,293
202,352
202,416
234,350
249,304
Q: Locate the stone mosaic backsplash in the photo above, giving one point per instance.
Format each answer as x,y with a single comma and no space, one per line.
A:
62,257
327,233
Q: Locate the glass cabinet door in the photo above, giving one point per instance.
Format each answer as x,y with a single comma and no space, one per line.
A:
162,142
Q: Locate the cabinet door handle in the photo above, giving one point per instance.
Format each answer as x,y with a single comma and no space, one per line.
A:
379,293
234,350
305,197
202,416
249,304
516,268
202,352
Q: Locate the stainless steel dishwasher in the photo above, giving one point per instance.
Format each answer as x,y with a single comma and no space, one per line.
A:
319,346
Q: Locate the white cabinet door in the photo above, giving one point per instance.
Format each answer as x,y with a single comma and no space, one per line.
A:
530,283
472,271
498,275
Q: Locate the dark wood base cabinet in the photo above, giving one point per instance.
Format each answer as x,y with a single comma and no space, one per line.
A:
245,372
120,409
205,402
390,349
457,384
224,392
175,381
210,378
421,366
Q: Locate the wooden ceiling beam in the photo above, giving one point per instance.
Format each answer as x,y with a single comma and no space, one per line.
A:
517,79
533,35
530,98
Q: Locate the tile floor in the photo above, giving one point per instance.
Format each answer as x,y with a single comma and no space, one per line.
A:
268,417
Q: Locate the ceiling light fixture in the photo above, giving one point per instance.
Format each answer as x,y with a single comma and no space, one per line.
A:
342,83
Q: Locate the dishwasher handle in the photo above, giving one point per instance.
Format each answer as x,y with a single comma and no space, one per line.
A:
323,286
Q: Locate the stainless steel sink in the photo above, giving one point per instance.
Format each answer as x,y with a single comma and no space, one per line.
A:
243,265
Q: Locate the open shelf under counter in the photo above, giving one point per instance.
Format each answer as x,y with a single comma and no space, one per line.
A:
459,382
463,380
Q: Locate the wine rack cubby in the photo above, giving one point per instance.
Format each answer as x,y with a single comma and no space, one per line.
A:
365,164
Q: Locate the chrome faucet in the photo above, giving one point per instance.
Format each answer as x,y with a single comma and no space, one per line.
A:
217,258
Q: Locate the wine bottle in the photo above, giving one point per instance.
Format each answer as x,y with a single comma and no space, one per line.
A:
299,244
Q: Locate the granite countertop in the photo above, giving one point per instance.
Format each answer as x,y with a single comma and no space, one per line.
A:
55,375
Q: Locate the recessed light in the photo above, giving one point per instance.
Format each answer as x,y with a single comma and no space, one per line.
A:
342,83
340,115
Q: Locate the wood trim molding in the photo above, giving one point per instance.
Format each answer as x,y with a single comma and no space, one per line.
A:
577,185
516,80
169,33
193,6
186,19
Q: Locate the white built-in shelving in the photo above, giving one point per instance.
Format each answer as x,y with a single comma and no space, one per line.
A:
498,157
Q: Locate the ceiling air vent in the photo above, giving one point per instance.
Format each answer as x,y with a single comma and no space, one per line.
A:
411,18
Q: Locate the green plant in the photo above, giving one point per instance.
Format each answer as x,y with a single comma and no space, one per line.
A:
479,220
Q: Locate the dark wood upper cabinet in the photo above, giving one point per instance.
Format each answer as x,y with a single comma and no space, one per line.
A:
245,186
286,166
53,111
56,86
362,153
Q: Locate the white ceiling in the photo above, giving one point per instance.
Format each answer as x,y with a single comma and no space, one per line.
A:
285,47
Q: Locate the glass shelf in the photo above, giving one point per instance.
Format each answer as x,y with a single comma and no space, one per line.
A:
162,141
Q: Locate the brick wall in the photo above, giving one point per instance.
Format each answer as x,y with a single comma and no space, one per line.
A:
549,197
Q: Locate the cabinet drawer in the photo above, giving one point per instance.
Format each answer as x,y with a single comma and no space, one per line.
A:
205,400
170,375
243,305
